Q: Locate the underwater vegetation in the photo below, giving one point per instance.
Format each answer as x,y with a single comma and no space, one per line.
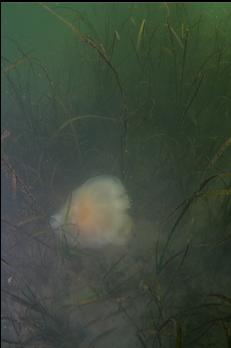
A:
120,114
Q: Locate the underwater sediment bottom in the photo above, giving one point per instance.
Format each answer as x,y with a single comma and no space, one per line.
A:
58,295
76,297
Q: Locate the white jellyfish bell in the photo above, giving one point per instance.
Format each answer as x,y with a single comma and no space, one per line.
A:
96,214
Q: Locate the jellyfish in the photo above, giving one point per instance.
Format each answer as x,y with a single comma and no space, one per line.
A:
95,215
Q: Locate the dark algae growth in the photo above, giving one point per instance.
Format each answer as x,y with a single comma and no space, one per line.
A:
116,175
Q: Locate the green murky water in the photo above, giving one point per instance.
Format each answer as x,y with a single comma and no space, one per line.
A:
141,92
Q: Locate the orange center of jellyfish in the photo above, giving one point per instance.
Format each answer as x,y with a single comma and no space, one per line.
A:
89,218
85,211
